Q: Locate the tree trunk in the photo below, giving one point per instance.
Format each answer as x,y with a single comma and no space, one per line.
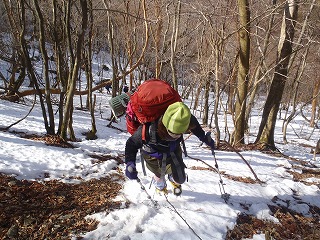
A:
174,41
197,97
42,40
315,100
231,85
75,65
114,65
294,93
28,64
205,117
259,72
156,37
217,95
269,116
92,134
242,85
16,60
293,113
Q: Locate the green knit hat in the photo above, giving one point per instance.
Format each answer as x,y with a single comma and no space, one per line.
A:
177,118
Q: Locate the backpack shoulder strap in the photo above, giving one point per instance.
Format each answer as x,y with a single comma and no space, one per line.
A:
144,132
149,132
153,132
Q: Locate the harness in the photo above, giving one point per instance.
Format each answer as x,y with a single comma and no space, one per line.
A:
155,149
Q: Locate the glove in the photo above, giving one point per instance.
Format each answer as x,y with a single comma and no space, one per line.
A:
131,171
209,141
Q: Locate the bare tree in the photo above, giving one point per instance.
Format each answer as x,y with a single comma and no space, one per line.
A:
49,125
129,50
42,41
11,51
75,61
315,103
243,71
265,135
88,69
174,42
294,93
191,43
260,72
156,36
59,40
300,68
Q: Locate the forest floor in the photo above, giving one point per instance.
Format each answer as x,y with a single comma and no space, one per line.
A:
56,210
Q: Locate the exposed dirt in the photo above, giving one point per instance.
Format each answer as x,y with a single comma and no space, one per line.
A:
52,209
292,225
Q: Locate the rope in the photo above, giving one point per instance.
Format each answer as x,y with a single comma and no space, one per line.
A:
155,203
157,206
176,211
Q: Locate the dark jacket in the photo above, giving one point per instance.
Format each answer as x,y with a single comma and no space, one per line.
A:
135,142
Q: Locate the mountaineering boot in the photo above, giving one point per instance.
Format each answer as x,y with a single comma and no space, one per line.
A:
160,185
177,190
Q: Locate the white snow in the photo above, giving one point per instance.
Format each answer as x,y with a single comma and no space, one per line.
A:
203,213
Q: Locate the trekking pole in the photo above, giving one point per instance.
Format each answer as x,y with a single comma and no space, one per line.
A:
142,164
155,203
225,196
184,147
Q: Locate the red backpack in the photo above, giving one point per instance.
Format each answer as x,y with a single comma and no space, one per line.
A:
149,102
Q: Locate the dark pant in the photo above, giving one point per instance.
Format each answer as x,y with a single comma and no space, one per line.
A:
174,165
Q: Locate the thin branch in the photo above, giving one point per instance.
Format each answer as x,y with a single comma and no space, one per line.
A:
33,104
245,161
